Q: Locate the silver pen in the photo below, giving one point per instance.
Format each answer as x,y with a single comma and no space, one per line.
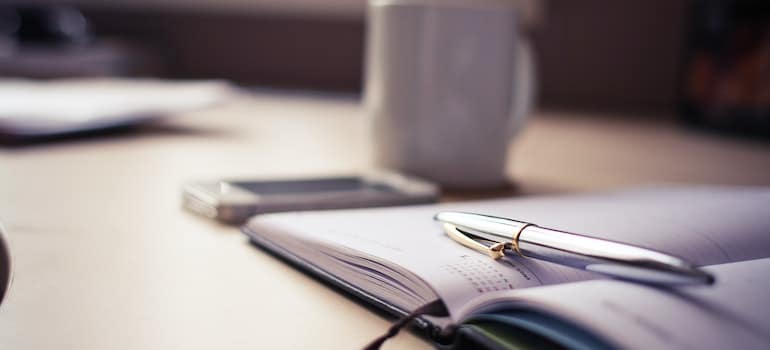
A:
496,236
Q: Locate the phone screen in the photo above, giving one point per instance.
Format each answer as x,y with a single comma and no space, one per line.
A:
345,184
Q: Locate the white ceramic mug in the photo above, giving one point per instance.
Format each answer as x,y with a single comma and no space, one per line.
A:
448,83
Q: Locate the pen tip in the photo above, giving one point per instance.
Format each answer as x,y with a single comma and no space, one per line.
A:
438,216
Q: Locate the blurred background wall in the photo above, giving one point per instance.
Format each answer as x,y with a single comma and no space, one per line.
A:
592,54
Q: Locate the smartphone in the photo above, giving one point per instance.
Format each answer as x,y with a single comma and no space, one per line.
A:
235,201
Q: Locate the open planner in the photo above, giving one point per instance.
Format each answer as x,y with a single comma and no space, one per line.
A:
399,259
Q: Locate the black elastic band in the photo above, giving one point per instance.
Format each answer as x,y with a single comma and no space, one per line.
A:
434,308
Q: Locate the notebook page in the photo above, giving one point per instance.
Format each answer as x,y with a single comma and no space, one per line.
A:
704,224
731,314
455,273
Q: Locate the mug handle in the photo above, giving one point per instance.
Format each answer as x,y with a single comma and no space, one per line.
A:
524,85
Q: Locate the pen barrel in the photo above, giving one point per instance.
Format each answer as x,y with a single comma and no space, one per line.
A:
620,260
615,259
491,229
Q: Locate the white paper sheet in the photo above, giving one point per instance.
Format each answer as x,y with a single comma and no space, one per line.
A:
31,107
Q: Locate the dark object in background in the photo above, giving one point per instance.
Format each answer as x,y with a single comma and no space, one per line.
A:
54,41
50,25
727,74
5,265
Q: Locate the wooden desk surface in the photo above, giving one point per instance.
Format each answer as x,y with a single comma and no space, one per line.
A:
106,259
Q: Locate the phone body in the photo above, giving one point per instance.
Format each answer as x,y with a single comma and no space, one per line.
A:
234,201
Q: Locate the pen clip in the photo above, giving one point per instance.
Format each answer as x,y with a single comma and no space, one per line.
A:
495,251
